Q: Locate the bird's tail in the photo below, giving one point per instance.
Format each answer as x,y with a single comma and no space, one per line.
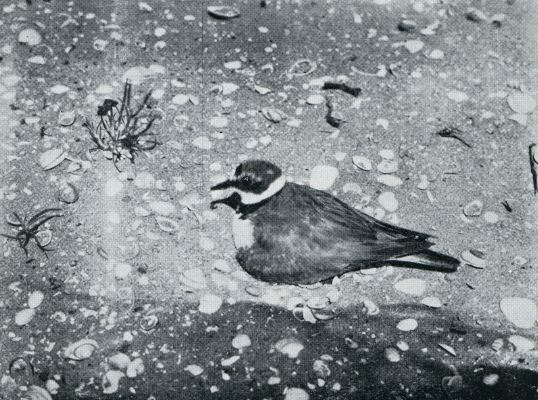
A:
428,260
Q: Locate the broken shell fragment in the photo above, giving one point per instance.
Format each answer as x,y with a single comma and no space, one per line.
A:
135,368
473,209
111,381
67,118
223,12
23,317
474,258
68,193
44,237
35,299
81,349
37,393
119,361
289,346
149,322
273,115
167,224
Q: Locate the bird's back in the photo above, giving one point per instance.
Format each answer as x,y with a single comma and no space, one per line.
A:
303,235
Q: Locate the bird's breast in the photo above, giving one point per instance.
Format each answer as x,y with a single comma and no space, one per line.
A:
243,232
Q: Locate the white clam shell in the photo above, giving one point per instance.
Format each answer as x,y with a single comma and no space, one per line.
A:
37,393
35,299
23,317
52,158
81,349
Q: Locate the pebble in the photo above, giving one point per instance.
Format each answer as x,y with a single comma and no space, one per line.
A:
497,344
23,317
521,344
296,394
414,45
159,32
144,180
291,347
194,369
315,99
218,122
222,266
387,154
104,89
223,12
362,162
402,346
209,304
166,224
30,37
352,187
135,368
113,186
424,183
411,286
119,361
206,243
241,341
388,201
67,118
473,209
490,379
141,212
432,302
227,88
407,325
449,349
491,217
35,299
180,99
323,177
407,25
521,103
390,180
520,311
457,96
340,156
370,307
474,258
387,166
392,354
52,386
164,208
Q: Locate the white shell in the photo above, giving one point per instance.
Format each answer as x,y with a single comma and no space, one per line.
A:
37,393
24,316
119,361
51,158
81,349
289,346
35,299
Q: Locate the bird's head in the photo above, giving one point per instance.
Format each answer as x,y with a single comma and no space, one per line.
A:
252,182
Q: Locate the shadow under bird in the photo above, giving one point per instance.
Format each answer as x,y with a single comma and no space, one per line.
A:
294,234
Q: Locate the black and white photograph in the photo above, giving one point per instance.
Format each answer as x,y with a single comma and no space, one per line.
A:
268,199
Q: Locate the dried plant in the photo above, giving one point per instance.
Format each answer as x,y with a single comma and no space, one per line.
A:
122,131
28,228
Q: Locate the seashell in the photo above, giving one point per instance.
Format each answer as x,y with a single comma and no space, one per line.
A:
81,349
67,118
321,369
29,36
474,258
111,381
24,316
21,370
148,322
135,368
37,393
35,299
289,346
119,361
167,224
12,220
406,325
52,158
44,237
449,349
223,12
362,162
68,193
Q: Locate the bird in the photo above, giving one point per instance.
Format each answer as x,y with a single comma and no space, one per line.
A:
287,233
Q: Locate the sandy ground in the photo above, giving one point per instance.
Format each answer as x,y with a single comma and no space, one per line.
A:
114,268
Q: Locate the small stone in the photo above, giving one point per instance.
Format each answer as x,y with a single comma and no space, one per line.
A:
111,381
273,114
491,217
449,349
370,307
388,201
490,379
122,270
206,243
392,354
387,154
166,224
227,88
424,183
39,60
222,266
432,302
52,386
218,122
254,291
202,142
296,394
241,341
407,325
223,12
520,311
30,37
382,122
362,162
180,99
497,344
407,25
35,299
352,187
414,45
229,361
135,368
521,344
23,317
457,96
209,304
323,177
473,209
159,32
315,99
411,286
291,347
164,208
389,180
475,15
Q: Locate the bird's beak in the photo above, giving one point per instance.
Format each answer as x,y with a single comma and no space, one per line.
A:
233,201
224,185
